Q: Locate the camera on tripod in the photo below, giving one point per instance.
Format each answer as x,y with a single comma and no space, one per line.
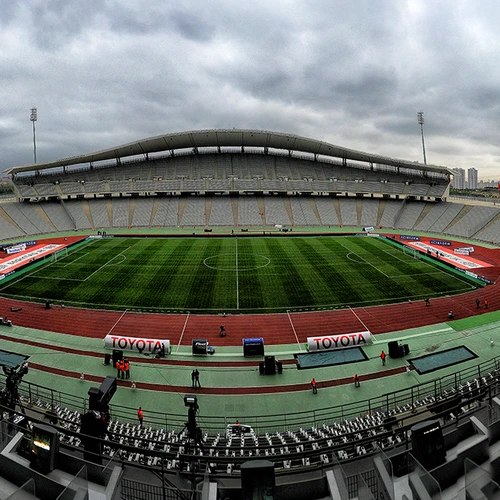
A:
194,432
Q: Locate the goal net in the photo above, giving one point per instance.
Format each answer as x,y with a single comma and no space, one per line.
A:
59,254
411,252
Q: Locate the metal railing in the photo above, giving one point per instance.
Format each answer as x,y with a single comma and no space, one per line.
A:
38,395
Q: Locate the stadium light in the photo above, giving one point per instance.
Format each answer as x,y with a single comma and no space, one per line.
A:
33,119
420,116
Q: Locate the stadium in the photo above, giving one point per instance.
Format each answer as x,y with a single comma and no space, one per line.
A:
263,260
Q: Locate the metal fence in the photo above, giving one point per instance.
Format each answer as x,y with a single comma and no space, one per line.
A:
38,395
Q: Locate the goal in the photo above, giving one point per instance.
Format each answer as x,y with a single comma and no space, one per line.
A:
59,254
411,252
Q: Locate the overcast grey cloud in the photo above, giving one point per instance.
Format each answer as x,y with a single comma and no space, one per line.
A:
353,73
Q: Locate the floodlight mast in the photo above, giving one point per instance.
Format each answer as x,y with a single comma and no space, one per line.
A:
420,116
33,119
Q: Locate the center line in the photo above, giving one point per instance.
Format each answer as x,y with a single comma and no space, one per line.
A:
237,282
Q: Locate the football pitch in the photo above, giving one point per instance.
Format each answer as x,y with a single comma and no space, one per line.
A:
253,274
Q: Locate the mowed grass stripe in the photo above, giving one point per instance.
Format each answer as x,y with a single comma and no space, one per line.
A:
249,275
330,277
199,274
293,277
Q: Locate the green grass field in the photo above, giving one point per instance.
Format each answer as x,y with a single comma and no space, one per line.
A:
262,274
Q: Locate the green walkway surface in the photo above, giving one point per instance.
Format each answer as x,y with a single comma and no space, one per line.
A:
480,334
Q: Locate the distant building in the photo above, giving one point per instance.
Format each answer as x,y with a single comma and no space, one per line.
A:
472,178
459,178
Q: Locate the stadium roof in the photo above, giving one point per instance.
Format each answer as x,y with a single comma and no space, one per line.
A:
227,138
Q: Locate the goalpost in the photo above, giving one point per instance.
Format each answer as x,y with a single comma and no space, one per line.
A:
411,252
59,254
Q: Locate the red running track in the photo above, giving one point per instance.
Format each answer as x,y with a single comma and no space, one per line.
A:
274,328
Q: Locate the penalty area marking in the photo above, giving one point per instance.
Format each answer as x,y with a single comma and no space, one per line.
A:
108,263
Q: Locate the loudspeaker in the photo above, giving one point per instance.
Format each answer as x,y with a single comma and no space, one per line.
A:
262,370
406,349
270,364
279,367
257,479
401,350
428,444
393,348
117,356
107,359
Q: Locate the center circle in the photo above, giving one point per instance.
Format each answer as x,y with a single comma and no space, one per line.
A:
237,265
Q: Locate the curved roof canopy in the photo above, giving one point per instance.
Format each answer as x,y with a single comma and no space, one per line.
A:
227,138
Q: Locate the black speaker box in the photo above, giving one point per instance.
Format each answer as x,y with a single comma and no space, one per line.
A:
117,356
279,367
393,348
270,364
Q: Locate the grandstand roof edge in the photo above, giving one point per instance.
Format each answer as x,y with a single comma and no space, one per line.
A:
226,137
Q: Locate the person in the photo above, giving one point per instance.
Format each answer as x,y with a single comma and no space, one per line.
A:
222,331
140,415
427,302
117,366
127,368
382,357
451,315
314,386
193,376
356,380
197,378
486,303
478,304
122,368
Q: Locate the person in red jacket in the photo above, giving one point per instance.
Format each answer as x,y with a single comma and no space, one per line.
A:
382,357
140,415
314,386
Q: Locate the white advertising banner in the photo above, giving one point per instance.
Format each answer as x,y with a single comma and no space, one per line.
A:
136,344
340,341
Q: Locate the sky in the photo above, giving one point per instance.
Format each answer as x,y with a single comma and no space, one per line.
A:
353,73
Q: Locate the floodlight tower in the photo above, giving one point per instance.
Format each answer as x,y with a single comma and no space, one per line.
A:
33,118
420,116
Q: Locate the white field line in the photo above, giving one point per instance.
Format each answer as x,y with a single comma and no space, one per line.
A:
90,275
359,319
182,333
365,261
395,256
73,261
422,334
117,321
294,332
237,278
